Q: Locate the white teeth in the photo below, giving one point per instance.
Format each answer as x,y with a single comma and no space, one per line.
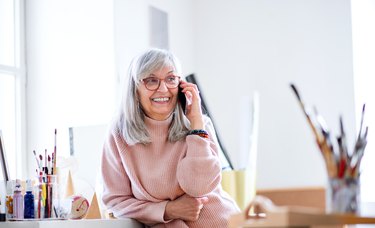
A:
161,99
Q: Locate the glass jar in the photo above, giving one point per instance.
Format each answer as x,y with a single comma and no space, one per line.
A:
46,197
343,195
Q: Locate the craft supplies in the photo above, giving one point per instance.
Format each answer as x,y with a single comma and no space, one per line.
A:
343,165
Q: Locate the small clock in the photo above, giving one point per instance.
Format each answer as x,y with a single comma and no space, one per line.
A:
80,206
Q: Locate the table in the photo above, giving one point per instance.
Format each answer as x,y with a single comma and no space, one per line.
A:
83,223
292,216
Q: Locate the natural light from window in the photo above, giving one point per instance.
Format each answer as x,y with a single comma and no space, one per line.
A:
10,74
7,119
363,19
7,38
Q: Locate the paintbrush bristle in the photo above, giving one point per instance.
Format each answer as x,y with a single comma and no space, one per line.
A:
362,118
342,126
295,91
366,131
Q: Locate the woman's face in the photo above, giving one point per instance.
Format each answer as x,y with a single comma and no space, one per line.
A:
160,103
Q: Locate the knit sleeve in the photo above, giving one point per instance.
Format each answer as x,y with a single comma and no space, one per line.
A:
199,172
117,194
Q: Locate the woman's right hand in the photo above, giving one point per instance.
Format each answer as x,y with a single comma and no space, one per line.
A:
185,207
193,107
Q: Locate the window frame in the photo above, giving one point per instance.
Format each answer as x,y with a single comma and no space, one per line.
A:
19,72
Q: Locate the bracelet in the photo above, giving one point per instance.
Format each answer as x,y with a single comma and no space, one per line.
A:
202,133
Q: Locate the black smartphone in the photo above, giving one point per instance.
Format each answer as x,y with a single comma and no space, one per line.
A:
182,99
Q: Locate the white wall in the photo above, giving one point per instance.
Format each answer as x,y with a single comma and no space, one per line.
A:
264,45
132,30
71,79
234,47
73,69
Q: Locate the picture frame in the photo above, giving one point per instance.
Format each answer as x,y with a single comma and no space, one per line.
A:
3,162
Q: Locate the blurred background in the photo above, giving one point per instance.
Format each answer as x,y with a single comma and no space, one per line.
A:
61,62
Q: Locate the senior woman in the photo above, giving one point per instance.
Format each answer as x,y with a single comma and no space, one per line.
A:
160,164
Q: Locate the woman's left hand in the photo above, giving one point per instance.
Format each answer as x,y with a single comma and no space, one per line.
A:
193,105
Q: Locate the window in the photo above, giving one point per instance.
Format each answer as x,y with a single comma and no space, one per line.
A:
363,17
11,76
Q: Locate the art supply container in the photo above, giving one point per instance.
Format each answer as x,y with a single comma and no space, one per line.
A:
343,195
46,197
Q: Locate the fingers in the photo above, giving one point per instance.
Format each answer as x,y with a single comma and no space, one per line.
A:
192,88
189,208
203,200
189,97
192,97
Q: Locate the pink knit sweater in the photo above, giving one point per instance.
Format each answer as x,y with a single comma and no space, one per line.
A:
139,180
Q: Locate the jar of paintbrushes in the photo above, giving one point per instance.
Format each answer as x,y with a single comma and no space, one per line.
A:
343,165
46,189
46,197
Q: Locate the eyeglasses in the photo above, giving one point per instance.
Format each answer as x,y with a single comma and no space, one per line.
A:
153,83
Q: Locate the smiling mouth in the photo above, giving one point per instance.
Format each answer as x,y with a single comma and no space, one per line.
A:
162,99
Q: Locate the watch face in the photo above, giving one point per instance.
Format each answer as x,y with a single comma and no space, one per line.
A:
80,206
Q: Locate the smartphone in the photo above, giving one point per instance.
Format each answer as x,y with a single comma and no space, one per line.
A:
182,99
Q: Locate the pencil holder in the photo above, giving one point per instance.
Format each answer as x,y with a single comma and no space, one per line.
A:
343,195
46,197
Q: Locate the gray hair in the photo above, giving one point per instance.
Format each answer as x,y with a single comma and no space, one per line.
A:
130,120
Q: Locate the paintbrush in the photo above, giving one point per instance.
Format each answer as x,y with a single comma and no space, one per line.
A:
45,162
359,152
317,136
362,118
40,162
324,129
343,141
359,147
36,159
360,138
49,164
54,156
322,138
327,145
342,159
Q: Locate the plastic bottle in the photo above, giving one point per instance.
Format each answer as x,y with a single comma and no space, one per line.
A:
29,201
9,199
18,201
